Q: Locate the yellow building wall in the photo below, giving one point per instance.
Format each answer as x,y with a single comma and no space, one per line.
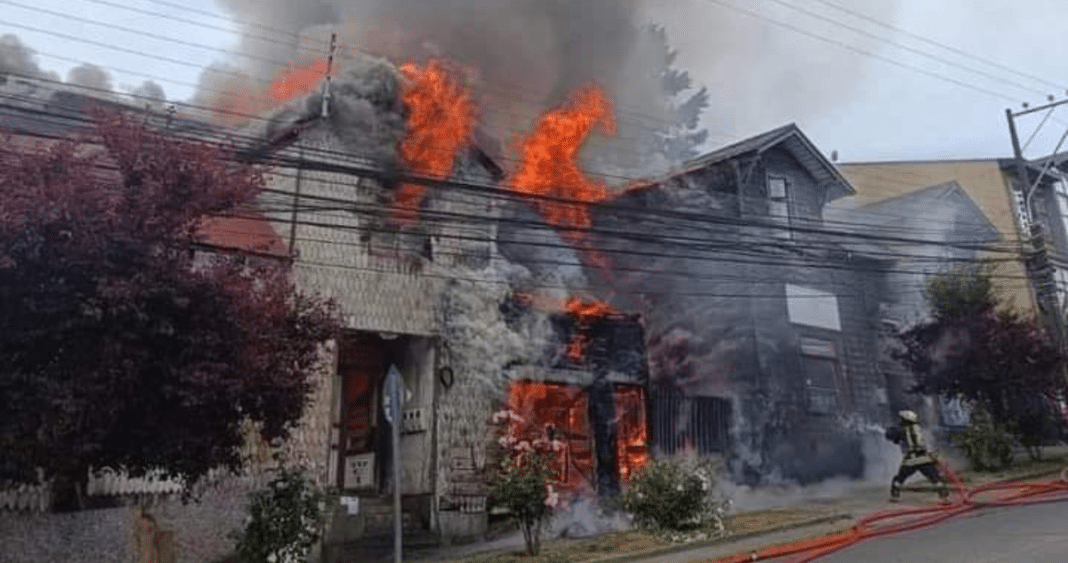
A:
984,181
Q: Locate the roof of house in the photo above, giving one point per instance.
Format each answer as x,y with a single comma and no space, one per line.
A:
920,205
250,233
789,137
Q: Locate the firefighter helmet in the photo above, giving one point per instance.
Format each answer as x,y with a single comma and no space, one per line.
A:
908,416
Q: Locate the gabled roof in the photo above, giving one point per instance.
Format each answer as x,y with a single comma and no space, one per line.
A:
795,142
896,212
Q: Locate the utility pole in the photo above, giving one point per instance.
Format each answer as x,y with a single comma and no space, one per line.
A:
1037,255
329,70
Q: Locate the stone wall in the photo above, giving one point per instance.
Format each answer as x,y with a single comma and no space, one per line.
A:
108,535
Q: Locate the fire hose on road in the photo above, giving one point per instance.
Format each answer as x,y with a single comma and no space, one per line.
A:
896,521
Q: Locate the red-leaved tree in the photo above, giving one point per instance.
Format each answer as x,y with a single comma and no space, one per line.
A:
997,359
119,350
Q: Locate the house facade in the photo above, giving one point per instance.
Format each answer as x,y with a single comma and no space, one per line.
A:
761,325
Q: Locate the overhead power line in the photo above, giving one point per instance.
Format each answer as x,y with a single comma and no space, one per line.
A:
1005,68
370,169
904,47
380,210
859,50
350,157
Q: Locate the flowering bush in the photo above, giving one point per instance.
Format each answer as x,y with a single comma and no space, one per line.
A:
285,520
522,482
675,495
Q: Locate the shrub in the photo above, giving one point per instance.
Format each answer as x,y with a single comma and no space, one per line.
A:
522,482
285,519
986,444
675,495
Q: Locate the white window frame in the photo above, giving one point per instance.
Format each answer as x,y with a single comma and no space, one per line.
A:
779,205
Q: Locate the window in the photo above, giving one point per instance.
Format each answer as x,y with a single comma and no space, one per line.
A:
779,206
1061,191
820,368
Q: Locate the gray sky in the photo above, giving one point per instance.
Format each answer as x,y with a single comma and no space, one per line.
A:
863,107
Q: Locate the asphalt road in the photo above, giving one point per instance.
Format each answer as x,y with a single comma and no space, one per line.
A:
1018,535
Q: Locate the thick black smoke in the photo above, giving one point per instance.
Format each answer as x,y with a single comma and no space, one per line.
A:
528,55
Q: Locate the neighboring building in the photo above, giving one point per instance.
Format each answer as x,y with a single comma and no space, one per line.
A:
997,191
919,234
1049,208
988,182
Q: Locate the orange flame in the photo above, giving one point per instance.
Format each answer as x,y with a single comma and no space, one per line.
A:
549,169
297,81
584,312
565,409
632,431
441,122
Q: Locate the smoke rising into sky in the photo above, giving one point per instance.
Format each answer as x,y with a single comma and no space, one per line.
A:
17,57
528,55
90,76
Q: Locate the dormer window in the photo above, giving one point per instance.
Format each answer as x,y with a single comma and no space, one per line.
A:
779,206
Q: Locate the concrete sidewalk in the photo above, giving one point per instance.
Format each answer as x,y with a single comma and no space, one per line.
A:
824,513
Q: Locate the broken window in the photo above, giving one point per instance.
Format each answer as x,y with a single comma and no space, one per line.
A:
820,366
682,423
779,206
631,431
564,411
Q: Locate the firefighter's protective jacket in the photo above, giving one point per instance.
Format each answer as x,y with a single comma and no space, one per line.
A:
912,445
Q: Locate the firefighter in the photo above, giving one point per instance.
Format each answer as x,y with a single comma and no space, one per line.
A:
917,457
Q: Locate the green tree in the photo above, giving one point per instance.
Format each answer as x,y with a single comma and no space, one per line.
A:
681,137
118,350
995,358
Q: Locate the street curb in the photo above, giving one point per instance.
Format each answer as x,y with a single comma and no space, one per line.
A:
721,540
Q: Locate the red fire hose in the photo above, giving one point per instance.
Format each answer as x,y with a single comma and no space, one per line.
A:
1014,494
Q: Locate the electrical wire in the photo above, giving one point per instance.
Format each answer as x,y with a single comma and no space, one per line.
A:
859,50
492,189
904,47
659,254
950,48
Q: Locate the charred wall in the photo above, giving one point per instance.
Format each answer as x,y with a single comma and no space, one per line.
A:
724,346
